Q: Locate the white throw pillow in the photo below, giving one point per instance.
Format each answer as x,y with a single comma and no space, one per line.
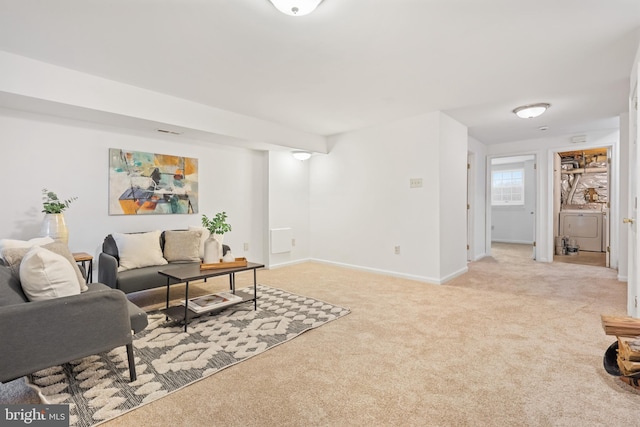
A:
46,275
14,256
14,244
139,250
205,235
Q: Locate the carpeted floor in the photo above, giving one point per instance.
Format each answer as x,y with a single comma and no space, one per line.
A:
98,388
512,342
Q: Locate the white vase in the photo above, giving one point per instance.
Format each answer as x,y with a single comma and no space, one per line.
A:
54,226
213,249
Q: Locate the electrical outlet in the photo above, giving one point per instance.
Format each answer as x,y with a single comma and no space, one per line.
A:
293,242
397,250
415,182
246,247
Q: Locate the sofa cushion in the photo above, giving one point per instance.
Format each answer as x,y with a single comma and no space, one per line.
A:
139,250
182,246
12,243
46,275
14,257
139,279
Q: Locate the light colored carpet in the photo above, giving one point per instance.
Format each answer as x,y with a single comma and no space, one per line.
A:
512,342
98,387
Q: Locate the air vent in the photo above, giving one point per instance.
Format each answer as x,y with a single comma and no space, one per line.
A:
169,132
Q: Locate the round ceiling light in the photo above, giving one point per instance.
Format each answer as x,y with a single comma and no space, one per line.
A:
301,155
531,111
296,7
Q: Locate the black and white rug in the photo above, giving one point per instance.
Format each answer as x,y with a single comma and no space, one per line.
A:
97,388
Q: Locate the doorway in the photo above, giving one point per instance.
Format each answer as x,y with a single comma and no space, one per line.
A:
513,194
581,206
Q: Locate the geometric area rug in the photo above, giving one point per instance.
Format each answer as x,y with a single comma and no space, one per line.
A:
97,388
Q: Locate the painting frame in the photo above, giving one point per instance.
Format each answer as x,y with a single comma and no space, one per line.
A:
143,183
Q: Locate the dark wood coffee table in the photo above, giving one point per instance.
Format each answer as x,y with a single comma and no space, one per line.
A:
189,273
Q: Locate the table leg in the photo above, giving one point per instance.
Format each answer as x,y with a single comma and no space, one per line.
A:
90,271
255,291
167,306
186,301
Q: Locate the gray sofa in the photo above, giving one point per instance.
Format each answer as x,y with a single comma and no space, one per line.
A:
40,334
137,279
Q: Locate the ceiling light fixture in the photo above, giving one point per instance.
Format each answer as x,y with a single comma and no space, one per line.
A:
531,111
296,7
301,155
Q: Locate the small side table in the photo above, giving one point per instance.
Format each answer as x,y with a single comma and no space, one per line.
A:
82,258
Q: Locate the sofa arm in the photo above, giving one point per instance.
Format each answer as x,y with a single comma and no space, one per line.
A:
108,270
40,334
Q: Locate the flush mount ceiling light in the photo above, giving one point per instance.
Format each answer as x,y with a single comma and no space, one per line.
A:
531,111
301,155
296,7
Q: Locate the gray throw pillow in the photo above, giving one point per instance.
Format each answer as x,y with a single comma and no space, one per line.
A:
182,246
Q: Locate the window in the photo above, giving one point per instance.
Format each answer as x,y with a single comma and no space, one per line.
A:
507,187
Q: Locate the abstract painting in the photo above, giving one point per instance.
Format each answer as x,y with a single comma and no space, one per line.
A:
149,183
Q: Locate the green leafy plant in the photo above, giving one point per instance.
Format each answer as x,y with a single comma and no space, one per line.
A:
52,205
216,225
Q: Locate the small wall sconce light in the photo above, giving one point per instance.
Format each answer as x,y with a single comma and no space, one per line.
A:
301,155
531,111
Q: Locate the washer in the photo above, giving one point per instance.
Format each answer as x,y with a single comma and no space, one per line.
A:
585,226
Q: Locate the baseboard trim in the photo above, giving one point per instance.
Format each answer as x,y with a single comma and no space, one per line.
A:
519,242
287,263
425,279
479,257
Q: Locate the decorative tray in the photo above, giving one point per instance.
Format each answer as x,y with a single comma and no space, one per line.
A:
239,262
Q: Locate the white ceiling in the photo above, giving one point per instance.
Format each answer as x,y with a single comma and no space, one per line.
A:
353,63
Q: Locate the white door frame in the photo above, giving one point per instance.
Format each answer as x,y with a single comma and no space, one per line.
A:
536,210
633,277
612,191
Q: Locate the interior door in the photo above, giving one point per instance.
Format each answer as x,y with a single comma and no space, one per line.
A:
534,208
470,195
634,157
606,223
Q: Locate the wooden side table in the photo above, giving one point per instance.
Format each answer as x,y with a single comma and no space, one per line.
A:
82,258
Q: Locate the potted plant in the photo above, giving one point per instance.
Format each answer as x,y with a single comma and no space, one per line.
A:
217,226
53,224
51,204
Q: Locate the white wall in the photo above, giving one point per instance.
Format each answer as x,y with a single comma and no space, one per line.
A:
71,158
514,224
544,149
478,197
362,205
452,141
289,204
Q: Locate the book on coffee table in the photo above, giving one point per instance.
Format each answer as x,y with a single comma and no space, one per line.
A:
212,301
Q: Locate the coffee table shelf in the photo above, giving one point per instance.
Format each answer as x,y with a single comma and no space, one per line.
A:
176,312
188,273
